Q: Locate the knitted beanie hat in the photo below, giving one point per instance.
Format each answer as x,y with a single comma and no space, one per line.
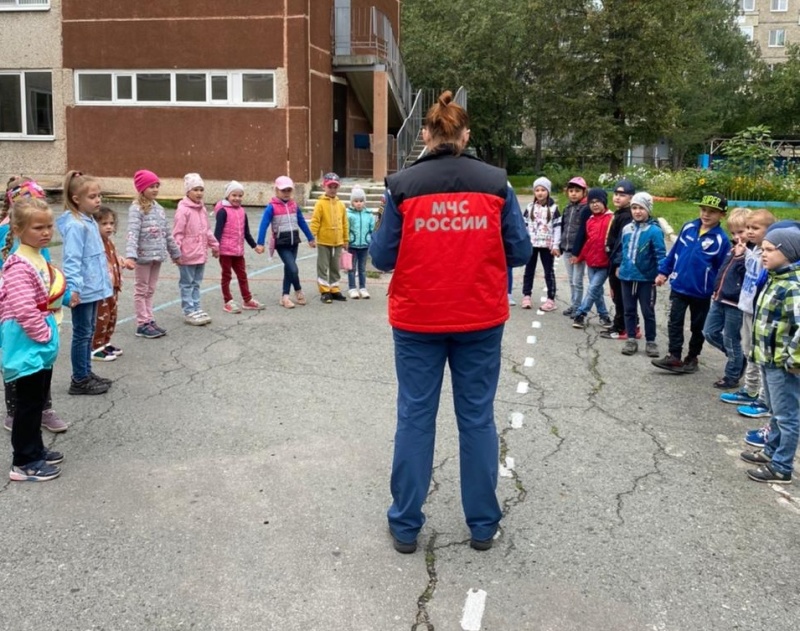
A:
544,182
144,179
357,194
645,200
786,240
232,186
597,194
192,180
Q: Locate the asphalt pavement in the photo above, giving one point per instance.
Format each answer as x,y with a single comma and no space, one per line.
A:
236,476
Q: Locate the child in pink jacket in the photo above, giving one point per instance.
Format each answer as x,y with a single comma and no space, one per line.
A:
194,237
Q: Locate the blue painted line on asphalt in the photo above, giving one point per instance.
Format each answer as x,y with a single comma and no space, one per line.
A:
177,301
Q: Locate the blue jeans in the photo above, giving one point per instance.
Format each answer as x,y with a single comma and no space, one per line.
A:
783,398
360,266
291,274
723,330
575,273
84,316
189,283
594,295
474,360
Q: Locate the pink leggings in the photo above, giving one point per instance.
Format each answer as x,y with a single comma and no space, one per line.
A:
146,278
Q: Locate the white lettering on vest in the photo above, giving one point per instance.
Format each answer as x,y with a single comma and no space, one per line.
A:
459,223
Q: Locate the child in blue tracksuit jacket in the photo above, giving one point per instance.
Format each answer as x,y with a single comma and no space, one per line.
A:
723,327
692,266
642,248
361,223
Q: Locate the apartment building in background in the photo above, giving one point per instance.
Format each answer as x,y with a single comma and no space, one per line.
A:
244,89
772,25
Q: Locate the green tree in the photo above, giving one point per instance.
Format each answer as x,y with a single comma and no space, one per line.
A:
776,95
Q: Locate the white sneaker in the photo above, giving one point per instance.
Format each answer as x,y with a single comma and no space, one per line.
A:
511,301
353,293
364,293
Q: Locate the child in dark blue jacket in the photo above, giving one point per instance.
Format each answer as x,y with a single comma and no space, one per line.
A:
724,321
642,248
692,266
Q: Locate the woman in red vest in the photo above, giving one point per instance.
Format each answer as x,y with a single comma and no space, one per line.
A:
451,228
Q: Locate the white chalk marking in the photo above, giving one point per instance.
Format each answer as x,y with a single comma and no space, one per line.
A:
539,312
522,387
516,419
474,606
528,362
531,339
505,473
536,324
509,463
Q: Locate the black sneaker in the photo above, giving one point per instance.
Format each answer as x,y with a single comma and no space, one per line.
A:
158,328
767,474
482,546
606,322
38,471
148,331
569,311
579,322
404,548
88,386
101,379
53,457
690,365
338,296
670,363
755,457
326,298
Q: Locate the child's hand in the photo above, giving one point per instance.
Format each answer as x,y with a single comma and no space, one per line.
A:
259,249
74,299
177,260
129,264
555,252
660,280
215,253
312,244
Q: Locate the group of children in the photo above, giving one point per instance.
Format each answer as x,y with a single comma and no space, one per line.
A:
744,300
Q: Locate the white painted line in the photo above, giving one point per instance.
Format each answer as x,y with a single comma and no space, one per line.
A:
505,473
528,362
516,419
539,312
509,463
536,324
543,298
522,387
472,617
531,339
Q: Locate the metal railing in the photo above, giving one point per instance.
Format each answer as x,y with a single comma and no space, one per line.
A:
367,31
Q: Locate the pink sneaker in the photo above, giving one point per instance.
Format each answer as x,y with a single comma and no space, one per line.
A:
548,305
52,422
526,302
252,305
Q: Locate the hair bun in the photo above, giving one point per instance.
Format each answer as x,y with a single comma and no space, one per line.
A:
445,98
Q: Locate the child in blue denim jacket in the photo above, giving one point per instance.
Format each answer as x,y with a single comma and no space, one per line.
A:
776,349
361,223
87,275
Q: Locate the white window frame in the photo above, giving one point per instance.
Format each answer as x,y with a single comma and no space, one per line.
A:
749,6
234,80
748,31
24,5
779,6
773,41
23,96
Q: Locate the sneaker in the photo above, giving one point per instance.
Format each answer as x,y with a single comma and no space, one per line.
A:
364,293
52,422
755,457
158,328
353,293
203,317
53,457
670,363
326,297
611,334
579,322
252,305
300,298
100,379
526,302
8,423
286,302
740,397
338,296
113,349
726,384
548,305
638,333
651,349
194,318
482,546
88,386
148,331
690,365
102,355
768,474
403,548
569,311
757,437
757,410
511,301
605,322
231,307
38,471
631,347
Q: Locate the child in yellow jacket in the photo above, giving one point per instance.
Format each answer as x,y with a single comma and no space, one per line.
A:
330,230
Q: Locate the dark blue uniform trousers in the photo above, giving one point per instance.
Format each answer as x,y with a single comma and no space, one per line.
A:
474,360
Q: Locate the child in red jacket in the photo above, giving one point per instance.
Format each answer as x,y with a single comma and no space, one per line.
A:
593,253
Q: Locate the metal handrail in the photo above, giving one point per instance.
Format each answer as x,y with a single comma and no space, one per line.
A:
409,131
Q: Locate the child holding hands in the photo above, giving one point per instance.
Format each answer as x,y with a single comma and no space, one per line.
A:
106,322
193,237
330,230
543,222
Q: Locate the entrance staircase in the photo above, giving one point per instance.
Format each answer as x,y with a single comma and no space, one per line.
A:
372,189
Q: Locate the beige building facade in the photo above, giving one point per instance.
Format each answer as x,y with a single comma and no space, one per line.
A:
772,24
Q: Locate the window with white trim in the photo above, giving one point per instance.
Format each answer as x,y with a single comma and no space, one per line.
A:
747,31
189,88
26,104
24,5
748,6
779,5
777,38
